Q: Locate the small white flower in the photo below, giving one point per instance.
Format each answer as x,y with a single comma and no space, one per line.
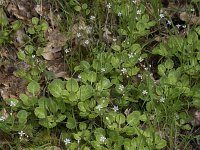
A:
33,56
79,76
12,104
139,12
140,76
121,87
130,55
124,71
88,30
115,108
86,42
67,141
119,14
114,39
21,133
178,26
140,59
184,26
102,139
162,100
2,118
108,5
192,9
162,15
78,35
145,68
144,92
99,107
103,69
67,50
92,18
169,22
134,1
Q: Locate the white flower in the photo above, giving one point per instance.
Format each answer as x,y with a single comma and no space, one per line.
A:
114,39
79,76
67,50
86,42
108,5
169,22
33,56
92,18
192,9
162,100
88,30
99,107
184,26
162,15
119,14
78,35
21,133
67,141
121,87
144,92
178,26
102,139
139,12
130,55
134,1
140,76
12,104
124,71
2,118
140,59
103,69
115,108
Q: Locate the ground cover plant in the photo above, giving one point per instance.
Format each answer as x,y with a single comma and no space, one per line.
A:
105,75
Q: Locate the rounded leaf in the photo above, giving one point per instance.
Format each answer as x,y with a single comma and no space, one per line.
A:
33,87
72,85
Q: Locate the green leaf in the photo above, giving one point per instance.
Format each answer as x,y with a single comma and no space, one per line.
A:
33,87
35,21
133,118
26,100
71,123
84,6
85,92
160,50
82,126
120,118
22,114
84,65
3,17
115,62
39,51
161,144
40,112
161,70
133,71
29,49
21,55
91,76
31,30
60,118
77,8
169,64
56,87
16,25
44,25
72,85
103,84
172,78
116,47
73,97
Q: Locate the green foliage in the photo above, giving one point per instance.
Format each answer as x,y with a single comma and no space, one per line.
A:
112,100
